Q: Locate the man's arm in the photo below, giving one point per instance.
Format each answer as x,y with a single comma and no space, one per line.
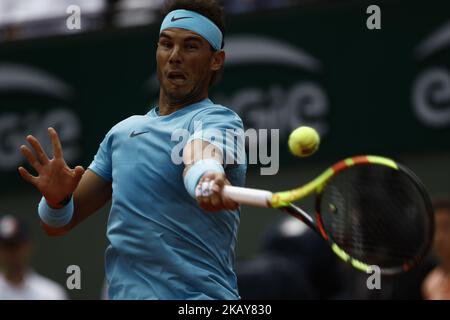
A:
195,151
91,194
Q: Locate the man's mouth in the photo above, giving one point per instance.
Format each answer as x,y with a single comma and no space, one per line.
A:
176,77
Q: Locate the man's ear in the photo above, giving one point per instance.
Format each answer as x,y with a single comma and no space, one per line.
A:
217,61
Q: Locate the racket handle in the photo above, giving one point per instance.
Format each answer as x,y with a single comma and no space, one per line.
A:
248,196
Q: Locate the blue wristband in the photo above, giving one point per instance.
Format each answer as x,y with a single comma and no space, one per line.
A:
55,218
197,171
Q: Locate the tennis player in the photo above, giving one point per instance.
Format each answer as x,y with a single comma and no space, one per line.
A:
164,241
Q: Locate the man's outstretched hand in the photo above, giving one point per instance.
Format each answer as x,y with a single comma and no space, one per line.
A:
55,180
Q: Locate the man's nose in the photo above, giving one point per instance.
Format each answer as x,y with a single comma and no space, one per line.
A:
175,55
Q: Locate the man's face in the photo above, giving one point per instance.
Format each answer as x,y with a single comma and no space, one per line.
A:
185,63
442,234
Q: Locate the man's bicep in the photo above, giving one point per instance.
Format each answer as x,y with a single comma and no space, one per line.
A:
198,149
224,129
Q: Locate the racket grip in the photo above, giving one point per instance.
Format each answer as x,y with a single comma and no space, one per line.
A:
249,196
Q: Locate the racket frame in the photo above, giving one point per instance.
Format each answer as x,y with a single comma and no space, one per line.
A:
284,202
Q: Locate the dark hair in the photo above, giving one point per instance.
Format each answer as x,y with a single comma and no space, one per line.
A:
208,8
441,203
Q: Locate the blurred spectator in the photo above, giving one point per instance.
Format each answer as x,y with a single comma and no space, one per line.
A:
17,280
437,284
295,264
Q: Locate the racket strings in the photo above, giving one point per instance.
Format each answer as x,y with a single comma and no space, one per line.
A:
376,214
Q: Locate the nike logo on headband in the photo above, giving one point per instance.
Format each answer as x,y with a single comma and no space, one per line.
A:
175,19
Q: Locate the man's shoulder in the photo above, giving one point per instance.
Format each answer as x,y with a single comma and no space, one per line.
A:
219,107
128,123
219,110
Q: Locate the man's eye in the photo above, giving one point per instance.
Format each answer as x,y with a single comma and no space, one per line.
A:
165,44
192,46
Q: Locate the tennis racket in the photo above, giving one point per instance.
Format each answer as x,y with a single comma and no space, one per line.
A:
370,209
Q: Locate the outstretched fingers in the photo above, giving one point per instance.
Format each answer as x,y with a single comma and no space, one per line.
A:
56,143
28,154
27,176
41,155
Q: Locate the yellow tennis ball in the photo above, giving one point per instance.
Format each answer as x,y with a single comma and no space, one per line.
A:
303,141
